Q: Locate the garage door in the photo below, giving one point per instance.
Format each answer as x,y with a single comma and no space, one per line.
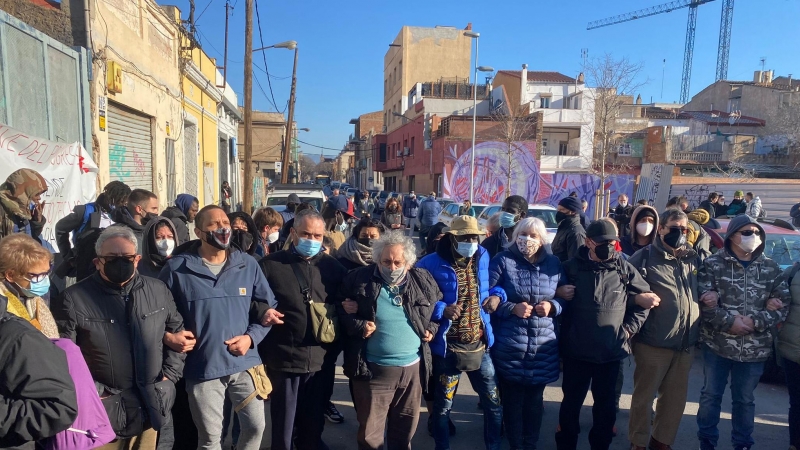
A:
130,147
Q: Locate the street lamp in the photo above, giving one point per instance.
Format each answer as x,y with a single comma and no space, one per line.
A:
289,45
474,35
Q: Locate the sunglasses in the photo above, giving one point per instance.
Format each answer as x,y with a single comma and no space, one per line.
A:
112,258
748,232
683,230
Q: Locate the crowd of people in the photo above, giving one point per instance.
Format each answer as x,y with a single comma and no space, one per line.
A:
192,322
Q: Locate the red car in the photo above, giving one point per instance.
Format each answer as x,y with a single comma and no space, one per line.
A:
783,240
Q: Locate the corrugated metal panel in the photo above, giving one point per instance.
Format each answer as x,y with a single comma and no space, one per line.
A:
777,198
172,174
190,159
130,150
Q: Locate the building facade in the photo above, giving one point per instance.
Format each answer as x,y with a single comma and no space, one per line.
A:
268,143
228,119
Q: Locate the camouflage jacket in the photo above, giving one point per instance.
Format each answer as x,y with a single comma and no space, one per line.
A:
742,291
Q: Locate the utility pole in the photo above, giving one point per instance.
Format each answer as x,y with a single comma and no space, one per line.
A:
287,146
247,207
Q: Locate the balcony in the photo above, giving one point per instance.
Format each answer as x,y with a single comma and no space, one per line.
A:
700,157
550,163
573,117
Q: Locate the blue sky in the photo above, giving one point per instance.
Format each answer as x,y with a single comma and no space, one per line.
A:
342,44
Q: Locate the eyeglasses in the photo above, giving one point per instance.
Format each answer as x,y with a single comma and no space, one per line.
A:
38,277
112,258
467,238
748,232
683,230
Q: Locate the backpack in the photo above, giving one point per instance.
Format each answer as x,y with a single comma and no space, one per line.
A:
89,208
91,428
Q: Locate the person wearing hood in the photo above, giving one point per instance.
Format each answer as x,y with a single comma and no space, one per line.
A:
571,234
643,230
357,249
336,223
664,347
142,205
738,205
292,201
160,240
697,236
513,210
20,203
744,295
244,235
268,224
182,214
754,208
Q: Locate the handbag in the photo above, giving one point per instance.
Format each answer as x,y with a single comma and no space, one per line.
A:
324,321
262,386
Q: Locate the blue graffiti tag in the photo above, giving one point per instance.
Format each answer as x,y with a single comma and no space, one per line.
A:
117,156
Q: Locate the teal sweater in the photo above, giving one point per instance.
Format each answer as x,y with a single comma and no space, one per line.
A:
394,342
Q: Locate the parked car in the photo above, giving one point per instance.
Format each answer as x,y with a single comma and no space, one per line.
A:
277,194
351,192
545,212
450,211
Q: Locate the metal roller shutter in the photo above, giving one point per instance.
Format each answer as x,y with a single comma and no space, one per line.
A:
190,159
130,150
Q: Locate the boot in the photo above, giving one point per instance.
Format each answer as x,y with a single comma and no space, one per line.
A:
655,445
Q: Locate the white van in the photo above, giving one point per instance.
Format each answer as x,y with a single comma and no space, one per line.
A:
277,194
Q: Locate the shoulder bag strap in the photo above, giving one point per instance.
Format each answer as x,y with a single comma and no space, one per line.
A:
301,279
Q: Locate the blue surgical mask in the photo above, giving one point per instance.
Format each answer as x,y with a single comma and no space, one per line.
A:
308,247
507,220
467,249
37,289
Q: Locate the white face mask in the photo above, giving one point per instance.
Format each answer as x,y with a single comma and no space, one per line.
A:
165,246
644,228
750,243
272,237
623,204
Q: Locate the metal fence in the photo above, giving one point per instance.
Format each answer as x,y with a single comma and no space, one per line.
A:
44,84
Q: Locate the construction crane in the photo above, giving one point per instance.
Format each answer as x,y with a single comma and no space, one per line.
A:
691,24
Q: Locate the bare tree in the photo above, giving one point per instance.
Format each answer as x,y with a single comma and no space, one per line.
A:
513,126
324,167
307,166
784,123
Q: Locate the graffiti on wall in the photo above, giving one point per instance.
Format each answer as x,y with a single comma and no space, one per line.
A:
491,177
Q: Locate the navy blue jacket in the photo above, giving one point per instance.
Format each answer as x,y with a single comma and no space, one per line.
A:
217,308
525,350
429,211
410,206
338,202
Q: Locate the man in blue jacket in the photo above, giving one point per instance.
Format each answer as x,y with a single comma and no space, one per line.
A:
461,269
429,211
213,286
338,201
410,208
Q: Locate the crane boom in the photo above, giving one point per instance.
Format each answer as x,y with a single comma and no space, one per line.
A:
688,53
647,12
725,28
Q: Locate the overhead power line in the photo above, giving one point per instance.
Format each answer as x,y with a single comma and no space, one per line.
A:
320,147
264,55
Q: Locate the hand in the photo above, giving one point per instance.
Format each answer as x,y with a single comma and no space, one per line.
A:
739,328
522,310
239,345
490,304
37,213
647,300
710,299
567,292
748,321
543,309
369,328
271,317
181,342
774,304
452,312
427,337
350,306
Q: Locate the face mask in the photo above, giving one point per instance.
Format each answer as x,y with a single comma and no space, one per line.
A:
507,220
118,270
365,241
675,238
308,247
37,289
273,237
560,216
165,246
750,243
644,228
605,252
342,226
392,277
623,204
219,238
242,240
527,245
467,249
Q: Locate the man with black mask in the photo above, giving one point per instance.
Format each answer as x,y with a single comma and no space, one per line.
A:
597,327
291,203
142,206
570,234
514,209
244,235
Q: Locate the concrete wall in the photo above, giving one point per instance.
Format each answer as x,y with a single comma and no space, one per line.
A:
511,84
55,20
268,129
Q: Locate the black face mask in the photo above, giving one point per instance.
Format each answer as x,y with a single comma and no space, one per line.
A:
561,216
242,240
365,241
675,238
605,251
118,270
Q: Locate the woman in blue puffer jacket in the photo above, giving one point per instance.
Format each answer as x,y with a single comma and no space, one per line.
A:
525,352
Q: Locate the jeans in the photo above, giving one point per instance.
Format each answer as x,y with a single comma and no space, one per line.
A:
423,235
792,370
412,221
485,385
522,412
578,376
744,379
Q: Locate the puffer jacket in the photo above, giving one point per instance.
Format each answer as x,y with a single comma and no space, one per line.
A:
754,208
363,286
445,276
429,211
742,290
629,243
675,323
525,350
569,238
789,343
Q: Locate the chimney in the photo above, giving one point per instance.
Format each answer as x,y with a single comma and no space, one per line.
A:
758,76
581,78
639,99
523,82
768,77
469,27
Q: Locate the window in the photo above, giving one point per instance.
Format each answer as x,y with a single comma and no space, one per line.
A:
562,148
544,102
544,146
382,153
411,150
411,183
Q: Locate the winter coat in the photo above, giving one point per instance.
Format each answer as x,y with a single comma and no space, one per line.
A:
789,343
602,312
338,203
525,351
496,243
15,203
38,395
429,211
442,270
72,222
391,218
628,242
120,331
410,206
675,323
291,347
217,308
569,238
709,207
363,286
466,212
737,207
742,290
122,216
754,208
180,222
152,262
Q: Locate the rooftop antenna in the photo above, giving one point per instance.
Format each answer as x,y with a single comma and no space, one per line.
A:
584,56
663,70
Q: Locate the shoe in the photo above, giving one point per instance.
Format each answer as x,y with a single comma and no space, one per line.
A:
655,445
705,445
637,447
333,415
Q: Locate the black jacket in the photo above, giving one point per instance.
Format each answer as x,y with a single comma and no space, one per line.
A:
38,395
180,221
348,264
122,216
120,332
569,238
152,262
596,319
712,209
291,347
363,285
76,257
495,243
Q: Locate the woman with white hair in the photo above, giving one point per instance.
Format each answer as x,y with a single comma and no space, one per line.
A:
387,320
525,351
